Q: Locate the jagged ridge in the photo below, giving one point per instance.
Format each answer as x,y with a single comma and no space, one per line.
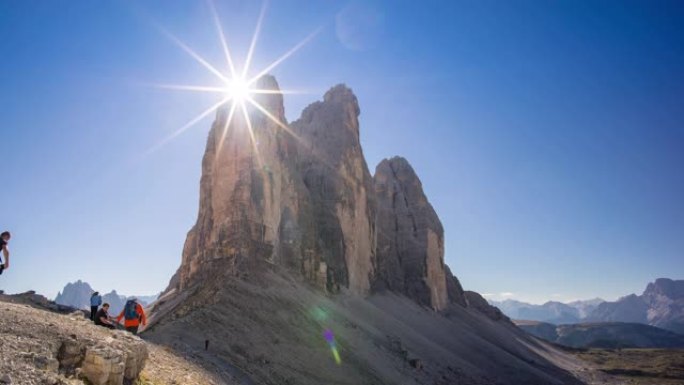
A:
303,197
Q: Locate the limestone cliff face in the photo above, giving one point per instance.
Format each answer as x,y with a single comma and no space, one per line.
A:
410,236
300,195
454,288
244,189
340,189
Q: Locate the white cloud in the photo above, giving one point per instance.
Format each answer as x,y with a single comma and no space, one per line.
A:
498,296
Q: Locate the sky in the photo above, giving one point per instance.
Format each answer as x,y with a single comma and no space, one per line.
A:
548,134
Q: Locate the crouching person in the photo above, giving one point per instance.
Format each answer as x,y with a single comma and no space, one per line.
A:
133,315
102,317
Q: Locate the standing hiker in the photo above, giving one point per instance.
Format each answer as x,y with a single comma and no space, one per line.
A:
4,258
95,302
133,315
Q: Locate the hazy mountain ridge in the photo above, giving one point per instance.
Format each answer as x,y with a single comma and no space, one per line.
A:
661,304
604,335
551,311
77,295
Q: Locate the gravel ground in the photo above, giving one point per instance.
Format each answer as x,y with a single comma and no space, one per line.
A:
168,367
32,331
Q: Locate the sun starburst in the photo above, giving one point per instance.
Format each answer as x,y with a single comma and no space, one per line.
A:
235,87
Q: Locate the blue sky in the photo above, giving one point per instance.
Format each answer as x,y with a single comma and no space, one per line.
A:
548,134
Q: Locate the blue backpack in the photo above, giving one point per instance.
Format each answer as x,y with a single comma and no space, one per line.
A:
131,311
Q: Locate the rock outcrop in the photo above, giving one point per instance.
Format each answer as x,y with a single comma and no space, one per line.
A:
40,347
410,239
339,190
31,299
454,288
477,302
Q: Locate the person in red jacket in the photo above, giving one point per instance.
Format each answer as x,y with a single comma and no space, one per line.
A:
133,315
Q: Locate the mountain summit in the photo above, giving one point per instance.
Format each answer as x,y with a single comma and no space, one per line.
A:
661,304
302,197
303,268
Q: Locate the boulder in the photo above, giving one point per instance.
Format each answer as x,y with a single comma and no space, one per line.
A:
104,366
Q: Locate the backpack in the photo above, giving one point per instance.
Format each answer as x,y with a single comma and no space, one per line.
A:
131,310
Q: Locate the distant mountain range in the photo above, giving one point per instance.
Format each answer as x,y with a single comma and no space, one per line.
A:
661,305
551,312
77,294
610,335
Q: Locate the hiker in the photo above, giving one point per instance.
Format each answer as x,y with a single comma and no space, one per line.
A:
102,317
4,258
95,302
133,315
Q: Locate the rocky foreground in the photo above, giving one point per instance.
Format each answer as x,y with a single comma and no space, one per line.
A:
41,345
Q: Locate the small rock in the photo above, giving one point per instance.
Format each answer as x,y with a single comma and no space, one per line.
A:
5,379
46,363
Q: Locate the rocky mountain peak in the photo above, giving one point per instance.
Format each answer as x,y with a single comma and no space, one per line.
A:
666,287
300,195
661,305
75,294
410,239
272,102
343,95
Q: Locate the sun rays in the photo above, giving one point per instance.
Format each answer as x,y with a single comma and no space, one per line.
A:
235,86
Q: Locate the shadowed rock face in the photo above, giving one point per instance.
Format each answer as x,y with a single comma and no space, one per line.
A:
244,189
477,302
410,236
301,196
454,288
340,189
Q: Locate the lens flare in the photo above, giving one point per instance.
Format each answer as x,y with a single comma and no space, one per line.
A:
330,338
236,86
238,90
319,314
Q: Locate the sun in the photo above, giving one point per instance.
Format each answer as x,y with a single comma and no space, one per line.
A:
238,90
235,89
